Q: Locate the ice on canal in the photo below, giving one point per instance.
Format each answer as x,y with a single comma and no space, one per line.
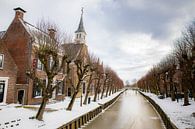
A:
131,111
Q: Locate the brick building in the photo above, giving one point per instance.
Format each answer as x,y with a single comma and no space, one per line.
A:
16,57
8,75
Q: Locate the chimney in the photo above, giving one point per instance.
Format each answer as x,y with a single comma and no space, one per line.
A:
19,13
52,33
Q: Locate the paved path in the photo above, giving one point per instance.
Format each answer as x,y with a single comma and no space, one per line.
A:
131,111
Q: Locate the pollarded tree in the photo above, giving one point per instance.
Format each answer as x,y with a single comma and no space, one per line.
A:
82,69
105,81
47,49
99,73
181,53
92,68
189,39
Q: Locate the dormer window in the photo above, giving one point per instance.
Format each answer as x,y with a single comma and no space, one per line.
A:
1,61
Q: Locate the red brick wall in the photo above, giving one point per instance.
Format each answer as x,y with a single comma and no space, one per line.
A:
9,70
18,42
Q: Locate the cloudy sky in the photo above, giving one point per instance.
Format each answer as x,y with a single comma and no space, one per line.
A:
128,35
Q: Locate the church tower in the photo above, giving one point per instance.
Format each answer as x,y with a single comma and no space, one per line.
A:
80,34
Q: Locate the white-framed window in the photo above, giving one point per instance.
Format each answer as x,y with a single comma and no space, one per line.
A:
39,65
1,61
37,90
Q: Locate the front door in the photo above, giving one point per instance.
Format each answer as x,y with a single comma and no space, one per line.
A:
2,89
20,96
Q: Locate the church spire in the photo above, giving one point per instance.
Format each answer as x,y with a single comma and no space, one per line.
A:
80,33
81,26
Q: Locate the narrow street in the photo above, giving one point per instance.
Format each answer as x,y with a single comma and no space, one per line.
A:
131,111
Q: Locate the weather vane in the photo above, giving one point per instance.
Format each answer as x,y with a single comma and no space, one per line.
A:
82,10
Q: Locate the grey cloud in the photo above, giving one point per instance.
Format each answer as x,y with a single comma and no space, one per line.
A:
153,18
107,21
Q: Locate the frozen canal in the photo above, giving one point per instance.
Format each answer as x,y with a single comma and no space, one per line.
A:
131,111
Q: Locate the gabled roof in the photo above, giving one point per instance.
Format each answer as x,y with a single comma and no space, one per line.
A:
2,34
73,50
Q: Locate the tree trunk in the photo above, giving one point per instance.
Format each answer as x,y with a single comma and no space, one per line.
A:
186,98
103,89
193,94
157,87
96,90
95,96
88,90
172,92
69,108
110,90
70,105
107,90
166,92
40,112
193,89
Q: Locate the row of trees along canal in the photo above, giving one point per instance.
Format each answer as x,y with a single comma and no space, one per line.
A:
50,48
176,71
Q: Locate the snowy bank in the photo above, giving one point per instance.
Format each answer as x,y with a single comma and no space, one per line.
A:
180,115
17,117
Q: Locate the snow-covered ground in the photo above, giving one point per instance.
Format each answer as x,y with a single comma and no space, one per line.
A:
17,117
180,115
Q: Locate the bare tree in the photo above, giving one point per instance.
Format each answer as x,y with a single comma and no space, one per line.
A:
93,61
99,75
81,71
47,49
106,77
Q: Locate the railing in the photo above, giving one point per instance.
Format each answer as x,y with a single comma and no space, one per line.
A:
165,118
78,122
